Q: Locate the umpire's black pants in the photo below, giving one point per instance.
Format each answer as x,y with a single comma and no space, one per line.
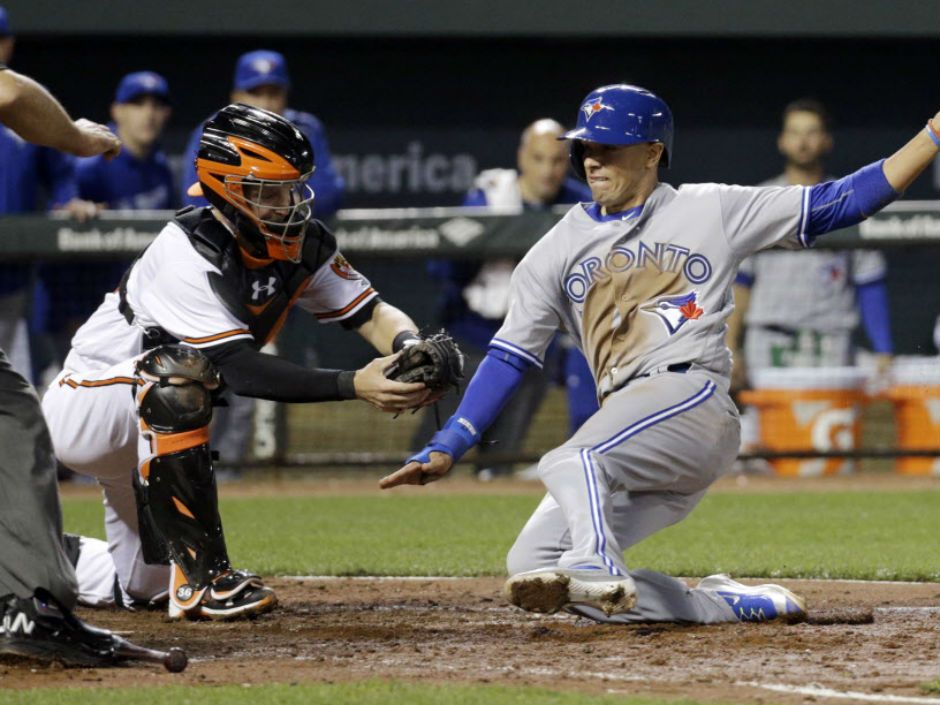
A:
31,553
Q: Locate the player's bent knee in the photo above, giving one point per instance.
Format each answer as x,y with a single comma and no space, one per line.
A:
176,386
557,458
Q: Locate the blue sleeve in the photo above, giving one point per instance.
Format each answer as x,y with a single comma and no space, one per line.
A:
876,318
57,171
327,184
496,379
744,279
189,170
475,198
849,200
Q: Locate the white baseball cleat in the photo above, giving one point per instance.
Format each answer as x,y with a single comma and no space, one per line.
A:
760,603
550,590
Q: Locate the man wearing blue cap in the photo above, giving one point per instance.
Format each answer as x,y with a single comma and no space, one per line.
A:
261,80
138,178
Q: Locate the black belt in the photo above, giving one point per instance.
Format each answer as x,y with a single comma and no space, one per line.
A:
681,367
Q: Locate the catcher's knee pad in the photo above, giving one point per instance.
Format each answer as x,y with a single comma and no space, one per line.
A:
175,484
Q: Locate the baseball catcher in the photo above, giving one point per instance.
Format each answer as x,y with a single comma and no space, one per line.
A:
191,315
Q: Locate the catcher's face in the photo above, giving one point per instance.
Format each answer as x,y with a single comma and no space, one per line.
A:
280,209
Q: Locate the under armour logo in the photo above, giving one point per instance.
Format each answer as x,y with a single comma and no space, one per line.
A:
20,623
258,287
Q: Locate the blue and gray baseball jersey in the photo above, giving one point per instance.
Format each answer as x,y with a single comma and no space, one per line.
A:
651,287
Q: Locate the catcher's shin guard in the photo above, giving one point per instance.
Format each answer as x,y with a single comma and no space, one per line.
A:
177,496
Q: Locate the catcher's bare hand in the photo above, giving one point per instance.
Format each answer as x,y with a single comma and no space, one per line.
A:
388,395
95,139
415,473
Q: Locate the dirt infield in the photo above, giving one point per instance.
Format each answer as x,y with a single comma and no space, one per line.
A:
873,638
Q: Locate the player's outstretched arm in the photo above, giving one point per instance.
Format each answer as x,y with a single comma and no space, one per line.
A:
386,326
251,373
35,115
844,202
495,381
905,165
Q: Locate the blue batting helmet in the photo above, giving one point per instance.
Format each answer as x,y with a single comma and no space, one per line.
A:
621,114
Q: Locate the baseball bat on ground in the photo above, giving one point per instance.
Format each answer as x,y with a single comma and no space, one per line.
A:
174,660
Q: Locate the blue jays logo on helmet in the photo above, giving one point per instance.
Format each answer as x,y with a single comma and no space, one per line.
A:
675,311
591,108
621,114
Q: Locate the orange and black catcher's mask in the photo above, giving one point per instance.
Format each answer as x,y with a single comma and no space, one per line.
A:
253,166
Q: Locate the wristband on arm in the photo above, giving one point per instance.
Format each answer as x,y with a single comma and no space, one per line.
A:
933,134
495,381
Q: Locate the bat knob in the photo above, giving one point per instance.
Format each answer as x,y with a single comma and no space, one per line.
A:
176,660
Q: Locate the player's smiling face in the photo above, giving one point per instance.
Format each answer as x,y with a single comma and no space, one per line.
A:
621,176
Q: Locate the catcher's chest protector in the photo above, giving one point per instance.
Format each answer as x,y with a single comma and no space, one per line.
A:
259,296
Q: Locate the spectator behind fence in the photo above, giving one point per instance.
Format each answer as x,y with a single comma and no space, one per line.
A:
800,309
476,294
261,80
29,172
139,178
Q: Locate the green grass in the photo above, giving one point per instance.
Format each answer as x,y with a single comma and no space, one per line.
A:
373,692
864,535
931,687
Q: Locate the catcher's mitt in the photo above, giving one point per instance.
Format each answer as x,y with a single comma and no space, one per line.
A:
435,360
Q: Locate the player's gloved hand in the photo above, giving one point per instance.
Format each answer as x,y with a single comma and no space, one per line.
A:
420,469
95,139
435,360
373,386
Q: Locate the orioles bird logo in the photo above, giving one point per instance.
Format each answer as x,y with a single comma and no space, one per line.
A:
675,311
341,267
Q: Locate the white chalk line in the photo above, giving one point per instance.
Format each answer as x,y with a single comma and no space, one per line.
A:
380,578
821,692
373,578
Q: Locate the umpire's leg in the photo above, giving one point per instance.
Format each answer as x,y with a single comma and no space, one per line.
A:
31,553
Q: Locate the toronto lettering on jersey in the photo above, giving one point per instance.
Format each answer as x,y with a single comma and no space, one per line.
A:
663,256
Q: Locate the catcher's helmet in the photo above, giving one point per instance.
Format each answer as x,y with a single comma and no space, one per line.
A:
253,166
621,114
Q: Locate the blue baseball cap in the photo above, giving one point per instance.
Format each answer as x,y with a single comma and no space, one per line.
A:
139,83
260,68
4,23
